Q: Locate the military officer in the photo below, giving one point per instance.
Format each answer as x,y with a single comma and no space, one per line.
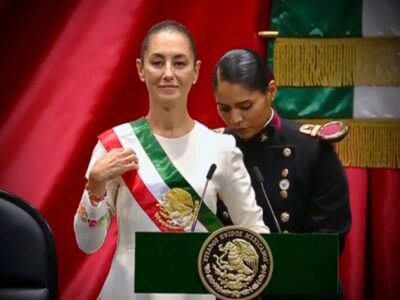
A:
303,186
304,180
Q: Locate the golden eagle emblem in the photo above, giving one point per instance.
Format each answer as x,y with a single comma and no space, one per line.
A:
235,263
177,209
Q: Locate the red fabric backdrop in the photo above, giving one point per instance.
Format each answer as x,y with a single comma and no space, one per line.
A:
67,73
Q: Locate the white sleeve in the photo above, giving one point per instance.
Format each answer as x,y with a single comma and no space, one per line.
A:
238,195
91,223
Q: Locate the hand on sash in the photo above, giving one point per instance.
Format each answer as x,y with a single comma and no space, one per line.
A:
115,163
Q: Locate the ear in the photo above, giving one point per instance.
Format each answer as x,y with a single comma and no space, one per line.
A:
139,67
196,70
272,88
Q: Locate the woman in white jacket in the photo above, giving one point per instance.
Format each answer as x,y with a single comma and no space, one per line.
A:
150,173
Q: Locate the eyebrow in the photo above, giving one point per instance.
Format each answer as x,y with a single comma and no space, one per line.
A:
236,103
174,56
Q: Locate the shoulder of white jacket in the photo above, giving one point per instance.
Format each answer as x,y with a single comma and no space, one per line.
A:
218,138
219,130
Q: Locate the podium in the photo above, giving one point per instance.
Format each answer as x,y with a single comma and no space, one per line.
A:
303,264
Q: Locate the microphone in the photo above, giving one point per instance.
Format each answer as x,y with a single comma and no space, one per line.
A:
210,174
260,179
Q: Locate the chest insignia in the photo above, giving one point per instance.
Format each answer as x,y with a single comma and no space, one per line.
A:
263,138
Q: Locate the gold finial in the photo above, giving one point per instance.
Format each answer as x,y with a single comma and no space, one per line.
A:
268,34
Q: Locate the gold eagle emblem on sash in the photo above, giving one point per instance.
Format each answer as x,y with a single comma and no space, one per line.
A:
177,209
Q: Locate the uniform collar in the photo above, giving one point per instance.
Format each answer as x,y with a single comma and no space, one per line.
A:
267,133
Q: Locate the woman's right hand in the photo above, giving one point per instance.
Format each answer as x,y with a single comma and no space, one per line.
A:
115,163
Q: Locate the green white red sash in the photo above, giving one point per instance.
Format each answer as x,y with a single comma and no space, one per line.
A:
156,175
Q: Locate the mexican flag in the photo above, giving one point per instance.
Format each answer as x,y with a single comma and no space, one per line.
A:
341,60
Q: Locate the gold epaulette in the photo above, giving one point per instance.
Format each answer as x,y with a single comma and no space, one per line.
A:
333,131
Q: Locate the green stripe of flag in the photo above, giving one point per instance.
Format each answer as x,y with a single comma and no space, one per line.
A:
315,18
171,176
297,103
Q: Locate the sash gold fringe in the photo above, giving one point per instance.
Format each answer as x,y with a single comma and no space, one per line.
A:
337,62
369,143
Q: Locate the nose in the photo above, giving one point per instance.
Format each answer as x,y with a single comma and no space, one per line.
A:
236,117
168,74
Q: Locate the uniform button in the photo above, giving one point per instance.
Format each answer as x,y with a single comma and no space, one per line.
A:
285,231
287,152
225,214
283,194
285,217
285,173
284,184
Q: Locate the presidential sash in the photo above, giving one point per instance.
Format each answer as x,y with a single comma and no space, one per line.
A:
158,187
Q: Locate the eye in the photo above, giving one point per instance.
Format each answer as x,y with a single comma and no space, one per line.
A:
156,63
180,63
224,108
246,106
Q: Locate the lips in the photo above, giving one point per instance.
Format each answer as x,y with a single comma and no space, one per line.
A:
241,131
168,86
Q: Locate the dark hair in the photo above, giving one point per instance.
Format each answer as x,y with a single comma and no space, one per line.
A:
244,67
168,25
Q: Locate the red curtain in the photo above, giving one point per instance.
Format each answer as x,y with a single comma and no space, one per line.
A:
353,260
67,73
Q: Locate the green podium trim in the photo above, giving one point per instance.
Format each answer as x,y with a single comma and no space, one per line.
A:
304,264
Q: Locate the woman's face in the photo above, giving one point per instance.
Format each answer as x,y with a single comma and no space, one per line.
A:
168,67
244,111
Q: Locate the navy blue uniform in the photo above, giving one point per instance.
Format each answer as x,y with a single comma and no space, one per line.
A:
303,178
